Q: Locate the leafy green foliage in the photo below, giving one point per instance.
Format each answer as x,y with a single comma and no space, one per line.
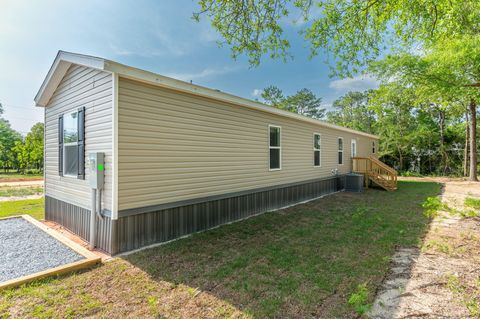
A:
472,202
29,152
444,78
304,102
353,32
8,138
19,153
432,205
352,110
359,299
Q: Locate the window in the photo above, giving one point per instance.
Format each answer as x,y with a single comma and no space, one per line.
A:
373,147
317,144
275,147
354,148
340,151
70,144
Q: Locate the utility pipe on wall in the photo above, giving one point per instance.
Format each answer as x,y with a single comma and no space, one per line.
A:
96,178
93,217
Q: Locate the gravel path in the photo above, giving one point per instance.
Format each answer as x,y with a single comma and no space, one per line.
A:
26,249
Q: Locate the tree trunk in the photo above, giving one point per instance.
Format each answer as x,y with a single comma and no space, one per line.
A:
400,159
473,140
443,153
465,149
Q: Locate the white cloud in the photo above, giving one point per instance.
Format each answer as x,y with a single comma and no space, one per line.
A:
358,83
257,93
203,74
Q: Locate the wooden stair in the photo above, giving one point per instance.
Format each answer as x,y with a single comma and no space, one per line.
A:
376,171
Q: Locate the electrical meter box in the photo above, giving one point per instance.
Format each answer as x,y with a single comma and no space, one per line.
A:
96,168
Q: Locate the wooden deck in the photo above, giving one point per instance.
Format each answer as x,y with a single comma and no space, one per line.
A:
376,171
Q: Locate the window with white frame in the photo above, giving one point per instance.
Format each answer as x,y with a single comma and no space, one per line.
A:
275,147
317,150
70,144
340,151
354,148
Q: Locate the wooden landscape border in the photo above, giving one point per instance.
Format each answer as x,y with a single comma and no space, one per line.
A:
90,258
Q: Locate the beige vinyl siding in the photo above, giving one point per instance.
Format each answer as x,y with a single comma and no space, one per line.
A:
175,146
92,89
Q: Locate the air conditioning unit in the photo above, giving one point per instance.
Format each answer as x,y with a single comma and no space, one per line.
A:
354,182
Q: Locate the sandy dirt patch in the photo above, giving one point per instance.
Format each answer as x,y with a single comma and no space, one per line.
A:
22,183
442,278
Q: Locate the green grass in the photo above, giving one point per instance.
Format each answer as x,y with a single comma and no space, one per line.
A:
33,207
11,191
323,259
472,202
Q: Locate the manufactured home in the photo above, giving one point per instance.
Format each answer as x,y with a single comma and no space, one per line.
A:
151,158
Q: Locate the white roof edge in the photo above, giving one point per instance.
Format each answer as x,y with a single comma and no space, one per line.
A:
65,59
60,65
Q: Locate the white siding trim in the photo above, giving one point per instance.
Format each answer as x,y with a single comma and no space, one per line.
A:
115,146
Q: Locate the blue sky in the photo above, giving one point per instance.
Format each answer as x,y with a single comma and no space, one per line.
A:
158,36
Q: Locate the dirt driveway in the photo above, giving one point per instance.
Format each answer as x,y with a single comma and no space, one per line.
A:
442,278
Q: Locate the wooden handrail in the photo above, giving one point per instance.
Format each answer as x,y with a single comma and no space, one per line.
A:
376,170
382,164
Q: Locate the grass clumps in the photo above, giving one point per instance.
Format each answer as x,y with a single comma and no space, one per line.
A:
472,202
359,299
468,295
432,206
9,191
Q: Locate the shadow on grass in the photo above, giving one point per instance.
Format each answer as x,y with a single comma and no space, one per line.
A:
299,262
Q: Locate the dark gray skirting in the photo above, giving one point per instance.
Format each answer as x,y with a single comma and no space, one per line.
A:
136,228
77,220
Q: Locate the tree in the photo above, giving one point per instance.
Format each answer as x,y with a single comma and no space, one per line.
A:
447,73
273,96
353,32
396,123
8,138
304,102
352,111
29,152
